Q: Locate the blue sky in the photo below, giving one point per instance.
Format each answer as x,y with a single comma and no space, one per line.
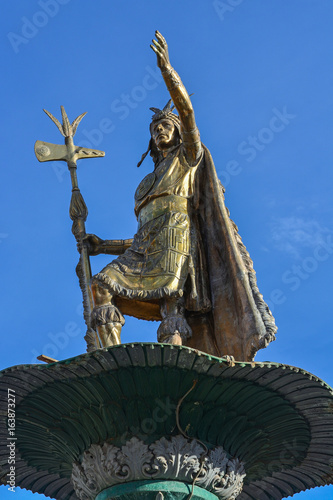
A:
261,74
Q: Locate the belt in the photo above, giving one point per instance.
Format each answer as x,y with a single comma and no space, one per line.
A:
159,206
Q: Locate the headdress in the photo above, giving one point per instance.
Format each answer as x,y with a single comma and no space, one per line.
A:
165,113
162,114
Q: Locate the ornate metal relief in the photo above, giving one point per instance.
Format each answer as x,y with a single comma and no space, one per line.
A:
178,459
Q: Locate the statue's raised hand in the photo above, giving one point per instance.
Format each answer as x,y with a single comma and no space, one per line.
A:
160,47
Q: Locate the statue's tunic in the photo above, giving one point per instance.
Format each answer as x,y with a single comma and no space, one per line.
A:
186,244
159,262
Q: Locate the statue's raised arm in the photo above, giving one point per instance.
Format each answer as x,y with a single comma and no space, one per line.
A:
189,131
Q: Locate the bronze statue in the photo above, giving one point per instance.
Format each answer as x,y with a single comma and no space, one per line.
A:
186,266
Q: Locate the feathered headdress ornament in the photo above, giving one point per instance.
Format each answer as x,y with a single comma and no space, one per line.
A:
165,113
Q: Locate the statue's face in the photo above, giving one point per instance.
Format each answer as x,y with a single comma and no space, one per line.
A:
164,134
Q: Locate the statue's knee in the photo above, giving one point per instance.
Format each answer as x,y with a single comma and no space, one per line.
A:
101,294
106,314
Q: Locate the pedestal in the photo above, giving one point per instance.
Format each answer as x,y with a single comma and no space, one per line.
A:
132,420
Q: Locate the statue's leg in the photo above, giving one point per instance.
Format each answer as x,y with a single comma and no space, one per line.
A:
106,316
174,328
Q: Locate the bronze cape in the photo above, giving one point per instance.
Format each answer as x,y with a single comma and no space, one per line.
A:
240,322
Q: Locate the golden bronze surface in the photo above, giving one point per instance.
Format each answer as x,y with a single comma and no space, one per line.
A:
186,264
78,211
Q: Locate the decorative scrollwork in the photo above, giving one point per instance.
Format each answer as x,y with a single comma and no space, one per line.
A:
176,458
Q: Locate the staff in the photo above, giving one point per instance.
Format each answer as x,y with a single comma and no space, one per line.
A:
78,211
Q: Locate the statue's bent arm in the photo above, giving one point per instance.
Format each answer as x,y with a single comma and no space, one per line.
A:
96,245
181,99
115,247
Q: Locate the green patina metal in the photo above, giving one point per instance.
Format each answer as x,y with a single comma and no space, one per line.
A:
60,421
148,490
278,419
